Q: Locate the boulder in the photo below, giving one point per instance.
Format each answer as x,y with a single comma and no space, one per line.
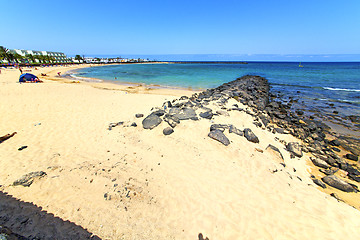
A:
336,182
319,163
220,127
168,131
186,113
351,157
151,121
28,179
319,183
171,120
294,148
250,136
207,115
224,113
139,115
233,129
219,136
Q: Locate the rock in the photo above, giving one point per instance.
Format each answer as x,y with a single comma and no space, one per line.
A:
207,115
335,143
139,115
233,129
8,234
294,148
133,124
171,120
319,163
151,121
250,136
167,105
336,182
220,127
28,179
276,153
112,125
224,113
299,112
351,157
201,237
168,131
219,136
354,118
334,195
158,113
319,183
186,113
281,131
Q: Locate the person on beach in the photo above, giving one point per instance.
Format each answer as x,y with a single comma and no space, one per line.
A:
20,70
59,74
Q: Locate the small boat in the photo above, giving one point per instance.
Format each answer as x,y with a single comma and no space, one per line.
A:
300,65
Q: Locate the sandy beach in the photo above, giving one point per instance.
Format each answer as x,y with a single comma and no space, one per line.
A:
135,183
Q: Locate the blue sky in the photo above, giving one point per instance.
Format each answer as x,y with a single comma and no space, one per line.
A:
148,27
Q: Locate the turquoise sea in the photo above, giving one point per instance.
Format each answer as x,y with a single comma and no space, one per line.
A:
316,84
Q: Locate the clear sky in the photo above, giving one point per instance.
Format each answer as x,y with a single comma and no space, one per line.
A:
182,26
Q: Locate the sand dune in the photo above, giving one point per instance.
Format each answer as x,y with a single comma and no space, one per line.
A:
132,183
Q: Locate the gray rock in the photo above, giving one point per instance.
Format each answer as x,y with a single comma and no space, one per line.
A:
336,182
171,120
319,163
207,115
335,142
219,136
158,113
139,115
319,183
168,131
224,113
186,113
294,148
233,129
250,136
281,131
28,179
151,121
220,127
351,157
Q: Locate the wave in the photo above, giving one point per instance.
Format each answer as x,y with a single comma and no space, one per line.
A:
294,85
85,79
341,89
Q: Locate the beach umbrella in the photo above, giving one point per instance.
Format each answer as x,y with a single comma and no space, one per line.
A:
27,77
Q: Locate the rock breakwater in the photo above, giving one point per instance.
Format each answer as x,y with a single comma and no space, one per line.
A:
329,153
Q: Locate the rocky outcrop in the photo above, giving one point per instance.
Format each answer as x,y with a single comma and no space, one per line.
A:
336,182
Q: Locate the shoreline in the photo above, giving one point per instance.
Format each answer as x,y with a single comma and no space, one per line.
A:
108,174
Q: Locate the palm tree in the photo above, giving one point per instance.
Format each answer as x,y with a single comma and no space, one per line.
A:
5,53
30,57
18,57
78,58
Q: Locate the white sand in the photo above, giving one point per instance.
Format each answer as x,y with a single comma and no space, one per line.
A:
185,183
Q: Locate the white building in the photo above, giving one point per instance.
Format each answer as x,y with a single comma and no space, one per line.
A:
58,57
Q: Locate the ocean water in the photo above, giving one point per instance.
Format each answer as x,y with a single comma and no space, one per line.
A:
317,85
